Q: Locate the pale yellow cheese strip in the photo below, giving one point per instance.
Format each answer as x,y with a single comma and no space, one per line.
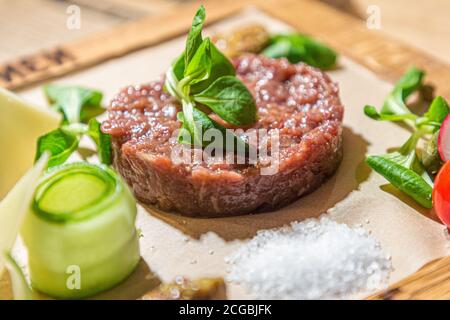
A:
21,123
15,205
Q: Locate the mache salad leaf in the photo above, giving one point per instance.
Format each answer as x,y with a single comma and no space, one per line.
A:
203,78
77,104
299,47
408,168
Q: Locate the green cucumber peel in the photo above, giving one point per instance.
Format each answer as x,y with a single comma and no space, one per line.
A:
82,239
90,187
20,287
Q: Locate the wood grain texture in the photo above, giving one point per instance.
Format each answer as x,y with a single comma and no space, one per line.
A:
410,26
431,282
349,36
384,56
108,44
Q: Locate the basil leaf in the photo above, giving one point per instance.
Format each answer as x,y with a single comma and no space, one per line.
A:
203,123
194,38
102,140
230,99
403,178
199,67
438,110
299,47
59,143
75,103
221,66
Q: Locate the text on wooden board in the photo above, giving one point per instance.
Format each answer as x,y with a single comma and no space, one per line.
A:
22,68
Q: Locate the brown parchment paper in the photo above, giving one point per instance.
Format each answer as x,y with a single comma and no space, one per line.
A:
173,245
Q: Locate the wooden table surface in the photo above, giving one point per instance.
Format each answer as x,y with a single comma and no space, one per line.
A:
38,24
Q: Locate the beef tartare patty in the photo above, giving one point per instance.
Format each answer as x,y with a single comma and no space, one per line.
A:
300,101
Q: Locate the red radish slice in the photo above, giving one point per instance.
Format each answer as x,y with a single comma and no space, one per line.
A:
444,140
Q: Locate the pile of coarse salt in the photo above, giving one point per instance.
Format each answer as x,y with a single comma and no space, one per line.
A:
314,259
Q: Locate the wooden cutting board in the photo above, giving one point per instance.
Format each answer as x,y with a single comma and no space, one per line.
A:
386,58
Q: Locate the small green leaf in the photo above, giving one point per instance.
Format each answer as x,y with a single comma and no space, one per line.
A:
438,110
220,66
409,82
199,67
59,143
194,38
298,47
394,107
102,140
75,103
203,123
178,67
230,99
403,178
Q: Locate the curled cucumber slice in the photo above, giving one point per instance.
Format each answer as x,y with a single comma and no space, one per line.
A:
80,233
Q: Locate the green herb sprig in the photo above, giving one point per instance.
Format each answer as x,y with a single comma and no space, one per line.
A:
79,107
203,76
405,169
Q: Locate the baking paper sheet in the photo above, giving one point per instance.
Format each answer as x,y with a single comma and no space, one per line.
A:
173,245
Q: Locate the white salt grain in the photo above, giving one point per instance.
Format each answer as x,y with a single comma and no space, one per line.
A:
314,259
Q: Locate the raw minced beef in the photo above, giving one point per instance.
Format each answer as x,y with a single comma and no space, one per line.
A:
300,102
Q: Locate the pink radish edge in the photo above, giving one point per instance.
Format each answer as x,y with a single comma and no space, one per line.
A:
444,139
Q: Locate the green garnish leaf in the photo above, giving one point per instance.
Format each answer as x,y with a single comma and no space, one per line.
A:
299,47
203,124
408,83
59,143
402,178
102,140
202,74
199,68
394,107
77,104
230,99
403,168
438,111
221,67
194,38
178,67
